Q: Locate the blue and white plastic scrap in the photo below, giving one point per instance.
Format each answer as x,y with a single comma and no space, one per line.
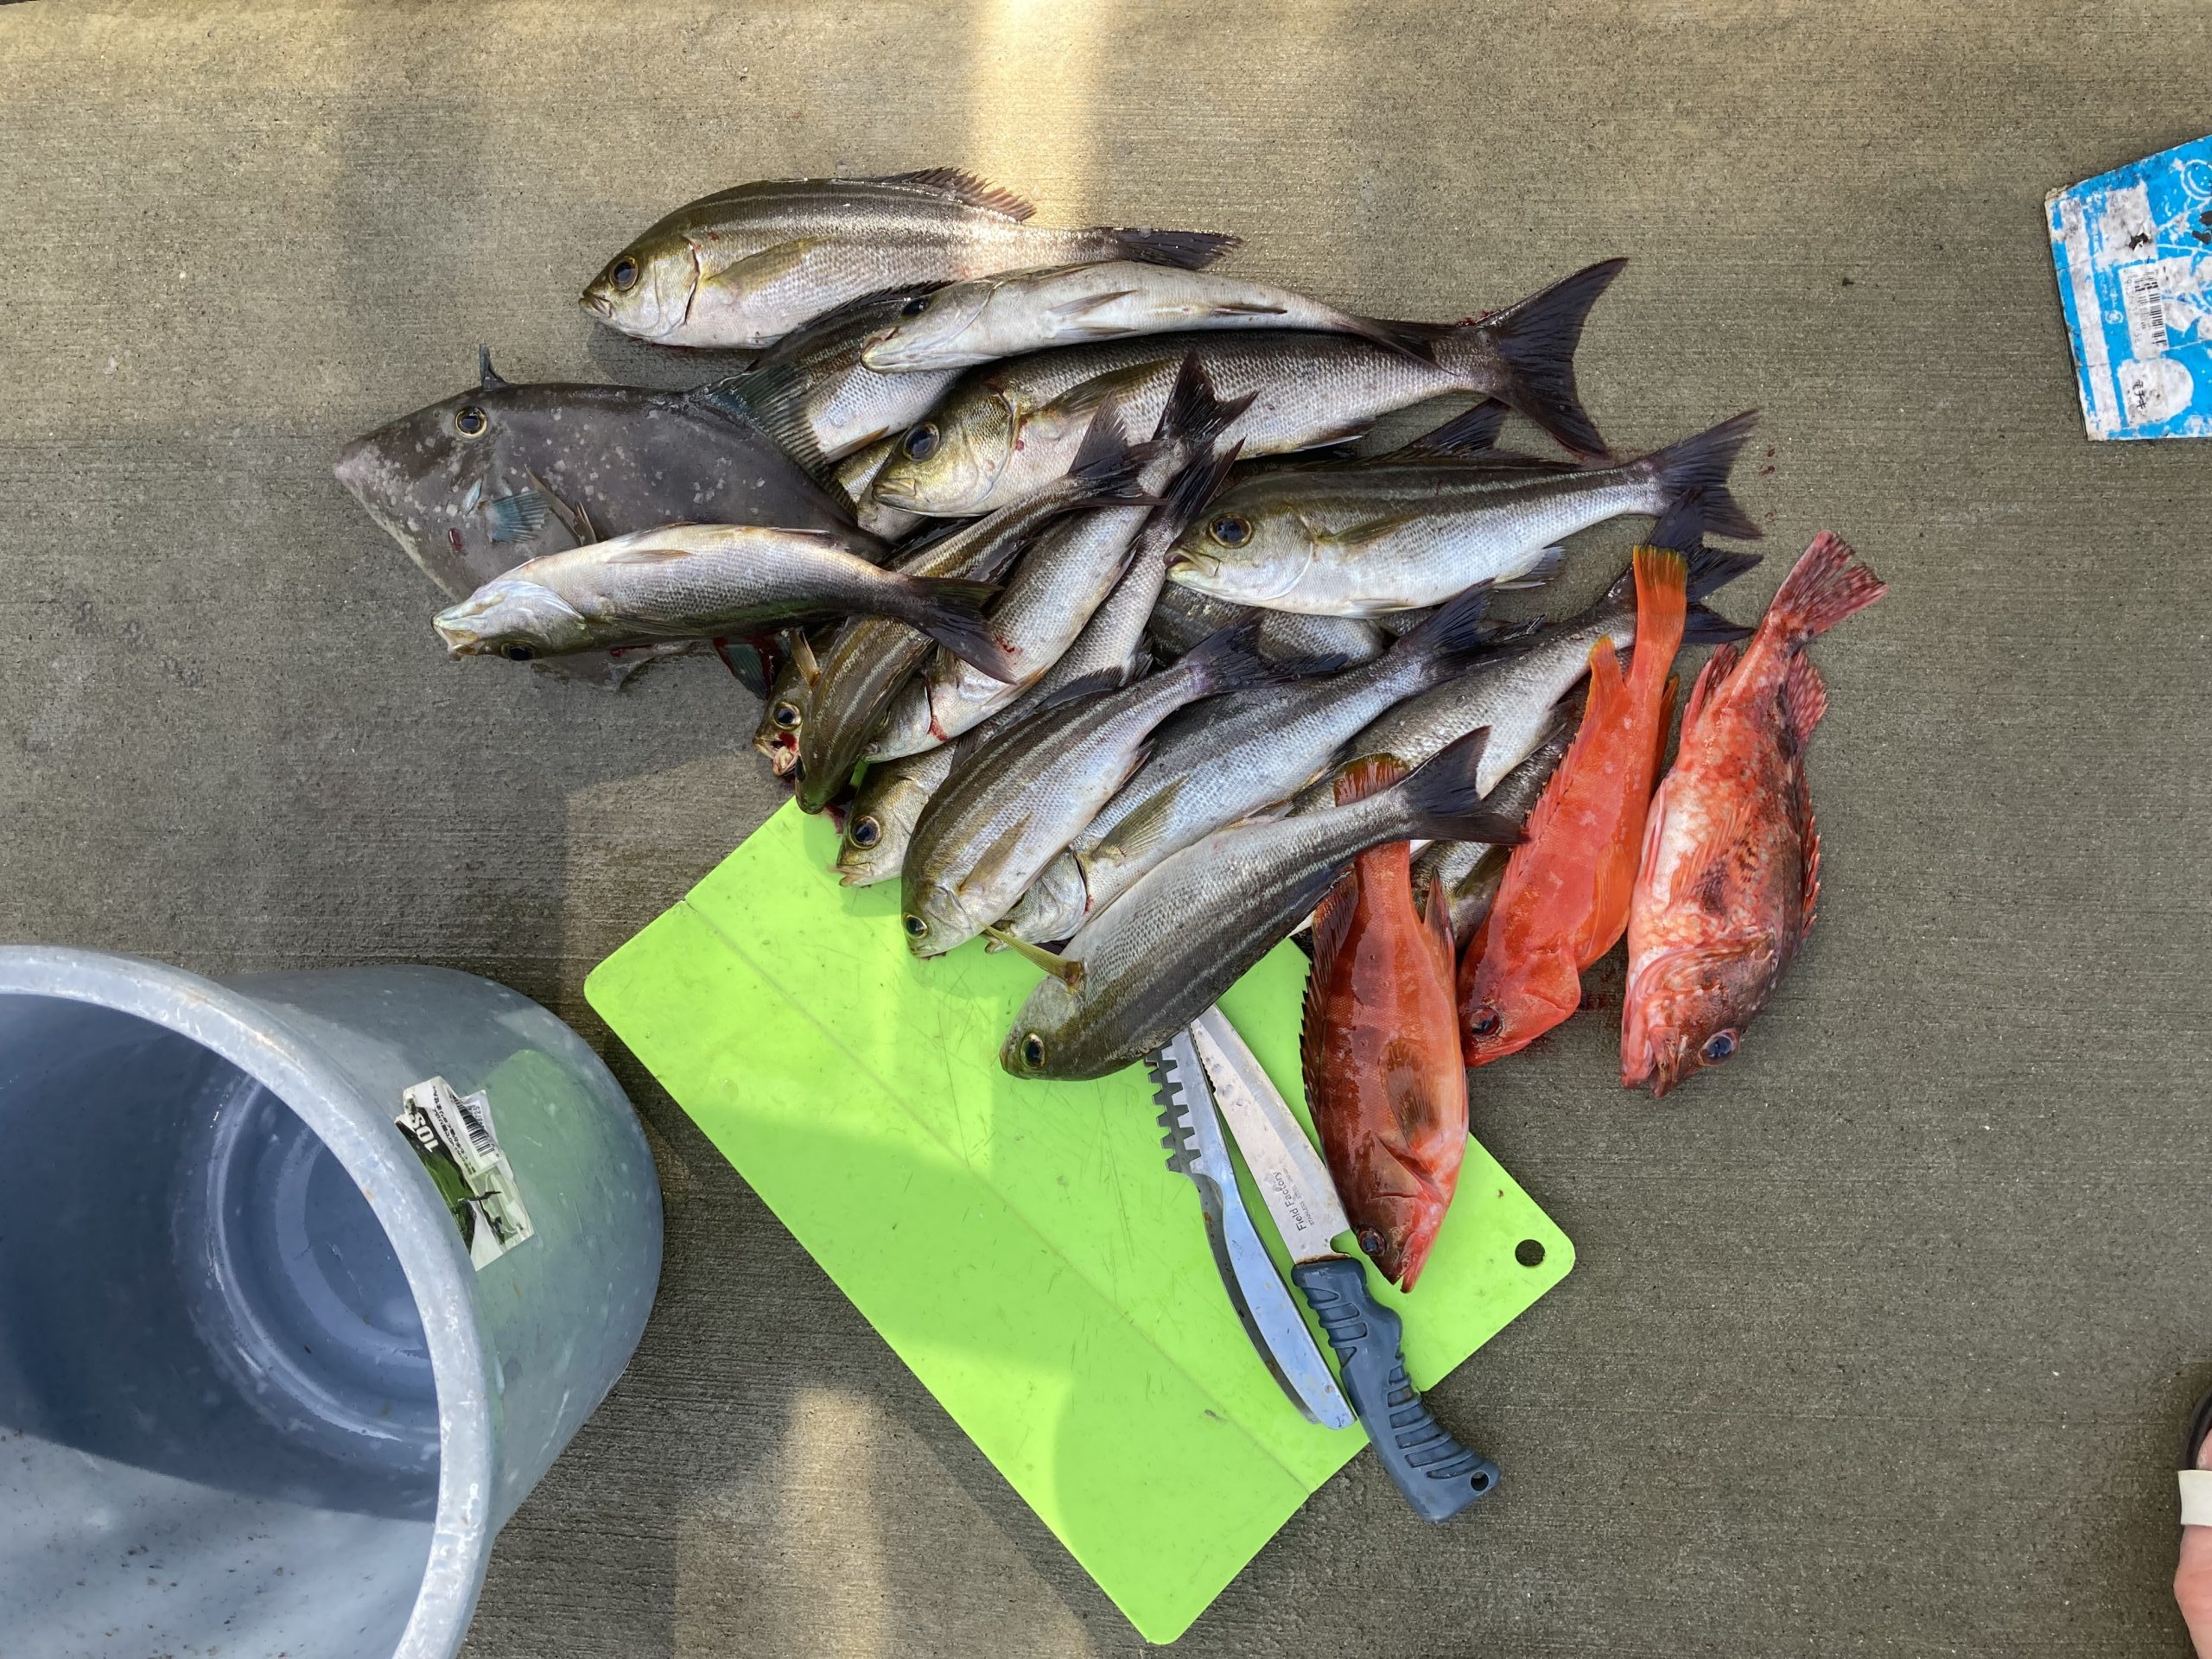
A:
2134,254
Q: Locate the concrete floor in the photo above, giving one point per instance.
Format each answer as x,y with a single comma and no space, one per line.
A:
1877,1343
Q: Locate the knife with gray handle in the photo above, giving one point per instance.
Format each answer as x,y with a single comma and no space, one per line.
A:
1196,1147
1438,1475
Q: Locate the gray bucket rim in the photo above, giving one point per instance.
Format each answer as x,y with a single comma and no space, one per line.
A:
254,1038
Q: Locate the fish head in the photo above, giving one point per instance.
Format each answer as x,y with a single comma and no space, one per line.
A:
514,617
936,918
927,333
646,291
448,483
1688,1007
876,834
1043,1042
1242,550
951,463
1506,1011
783,713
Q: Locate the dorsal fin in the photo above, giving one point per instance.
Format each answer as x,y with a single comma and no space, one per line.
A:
1809,893
1472,432
965,187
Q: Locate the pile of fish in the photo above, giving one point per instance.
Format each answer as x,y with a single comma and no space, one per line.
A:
1049,552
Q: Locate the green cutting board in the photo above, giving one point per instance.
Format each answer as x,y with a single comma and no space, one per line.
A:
1023,1246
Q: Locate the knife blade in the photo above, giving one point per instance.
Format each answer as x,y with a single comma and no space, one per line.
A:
1438,1475
1196,1147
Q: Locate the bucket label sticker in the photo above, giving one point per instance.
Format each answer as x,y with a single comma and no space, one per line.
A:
451,1133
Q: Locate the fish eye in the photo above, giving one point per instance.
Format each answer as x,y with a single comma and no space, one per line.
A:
1370,1241
915,925
1032,1049
517,653
786,716
624,275
470,421
1230,529
865,832
1487,1022
921,442
1718,1047
915,306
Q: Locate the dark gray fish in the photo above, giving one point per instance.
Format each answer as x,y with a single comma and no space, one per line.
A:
746,266
1163,953
1012,804
1008,428
474,484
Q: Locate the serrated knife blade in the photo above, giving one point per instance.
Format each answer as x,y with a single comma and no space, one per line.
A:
1197,1147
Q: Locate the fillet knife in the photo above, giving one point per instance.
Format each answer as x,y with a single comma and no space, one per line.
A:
1438,1475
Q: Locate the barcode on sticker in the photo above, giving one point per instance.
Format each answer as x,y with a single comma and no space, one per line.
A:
2144,303
472,1108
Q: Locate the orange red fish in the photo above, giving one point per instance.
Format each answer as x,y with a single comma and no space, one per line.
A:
1381,1048
1564,900
1730,866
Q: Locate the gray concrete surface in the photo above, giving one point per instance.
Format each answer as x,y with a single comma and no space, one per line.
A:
1877,1344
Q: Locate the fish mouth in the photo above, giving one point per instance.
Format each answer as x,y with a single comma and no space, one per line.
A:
592,299
461,639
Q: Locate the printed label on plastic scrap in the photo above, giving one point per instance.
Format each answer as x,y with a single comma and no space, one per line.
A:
451,1133
2134,254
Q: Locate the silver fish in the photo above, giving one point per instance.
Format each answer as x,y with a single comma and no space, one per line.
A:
989,317
1362,541
1008,428
1164,952
1074,566
746,266
1235,758
852,478
473,484
698,581
811,393
1469,871
1014,803
1512,696
869,657
881,823
1182,616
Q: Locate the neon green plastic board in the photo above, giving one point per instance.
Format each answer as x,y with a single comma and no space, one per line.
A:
1022,1246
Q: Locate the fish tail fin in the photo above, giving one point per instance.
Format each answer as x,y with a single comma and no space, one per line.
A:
1825,585
952,613
1228,659
1452,631
1535,340
1703,626
1662,609
1106,463
1195,415
1194,487
1711,570
1442,799
1189,250
1701,463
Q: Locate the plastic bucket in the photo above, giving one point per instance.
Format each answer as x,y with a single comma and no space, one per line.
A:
256,1397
